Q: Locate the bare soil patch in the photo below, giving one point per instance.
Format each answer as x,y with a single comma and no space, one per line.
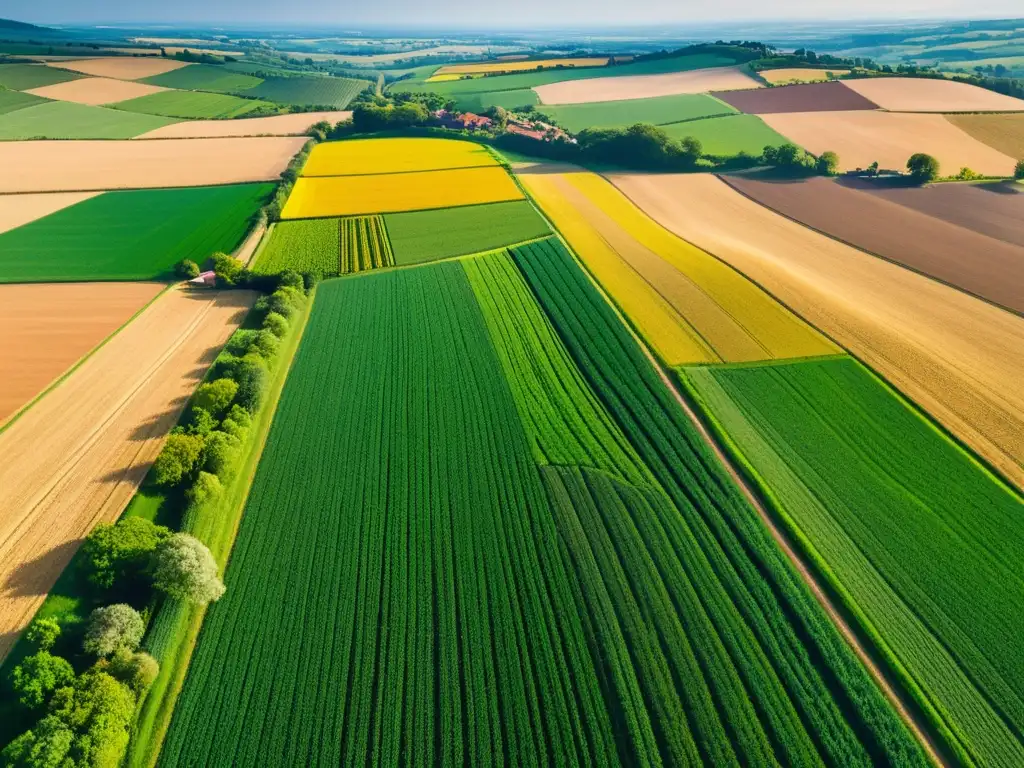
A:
50,327
912,94
958,357
1004,133
96,90
278,125
644,86
890,138
75,458
44,166
121,67
988,268
811,97
16,210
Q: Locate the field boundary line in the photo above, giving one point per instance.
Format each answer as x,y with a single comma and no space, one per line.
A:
771,362
273,181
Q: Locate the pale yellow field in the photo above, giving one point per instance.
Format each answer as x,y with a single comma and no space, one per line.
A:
520,66
294,124
320,196
911,94
861,138
691,307
96,90
173,49
370,156
443,78
799,75
645,86
16,210
956,356
121,67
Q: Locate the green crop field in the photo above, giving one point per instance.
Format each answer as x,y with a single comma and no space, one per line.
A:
364,244
922,543
429,235
728,136
656,111
468,542
67,120
130,235
204,77
333,92
22,77
514,99
327,246
192,104
12,101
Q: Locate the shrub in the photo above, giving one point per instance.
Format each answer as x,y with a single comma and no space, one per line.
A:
253,378
186,269
227,269
38,676
215,396
220,456
285,301
136,670
1018,171
276,324
177,460
923,168
113,628
120,552
204,489
43,633
966,174
264,344
200,422
184,568
828,164
289,278
237,422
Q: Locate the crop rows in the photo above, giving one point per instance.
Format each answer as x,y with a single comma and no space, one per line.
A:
923,544
363,244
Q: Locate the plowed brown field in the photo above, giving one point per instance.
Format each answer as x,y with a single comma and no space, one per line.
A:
45,166
812,97
913,94
16,210
988,268
96,90
1004,133
644,86
279,125
75,458
48,327
959,358
890,138
121,67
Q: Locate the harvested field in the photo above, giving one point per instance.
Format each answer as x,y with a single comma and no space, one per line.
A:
42,166
333,92
67,120
890,138
1004,133
22,77
295,124
77,456
121,67
956,356
799,75
688,305
16,210
316,197
656,111
988,268
204,77
812,97
95,90
48,328
728,136
644,86
913,94
380,156
193,104
491,67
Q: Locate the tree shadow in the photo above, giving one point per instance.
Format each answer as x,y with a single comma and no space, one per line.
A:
37,576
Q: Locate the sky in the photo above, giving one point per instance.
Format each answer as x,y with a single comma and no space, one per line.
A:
471,13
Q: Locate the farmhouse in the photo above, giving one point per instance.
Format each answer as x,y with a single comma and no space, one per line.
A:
463,121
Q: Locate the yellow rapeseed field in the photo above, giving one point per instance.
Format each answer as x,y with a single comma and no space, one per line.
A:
690,307
315,197
362,156
443,78
521,66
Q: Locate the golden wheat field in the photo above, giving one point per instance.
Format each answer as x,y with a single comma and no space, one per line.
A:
799,75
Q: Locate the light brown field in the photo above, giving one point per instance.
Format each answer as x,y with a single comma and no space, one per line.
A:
171,40
911,94
279,125
645,86
58,166
48,327
16,210
75,458
1004,133
121,67
959,358
799,75
96,90
863,137
390,58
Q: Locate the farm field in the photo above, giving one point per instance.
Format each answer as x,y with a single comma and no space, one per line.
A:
523,612
656,111
48,328
67,120
44,166
957,357
130,235
633,87
1004,133
358,157
689,306
491,67
22,77
16,210
120,67
193,104
78,455
318,196
513,99
203,77
333,92
12,101
890,138
327,246
728,136
429,235
917,536
294,124
95,90
929,245
812,97
799,75
905,94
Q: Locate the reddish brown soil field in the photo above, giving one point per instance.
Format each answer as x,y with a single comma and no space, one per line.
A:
813,97
988,268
